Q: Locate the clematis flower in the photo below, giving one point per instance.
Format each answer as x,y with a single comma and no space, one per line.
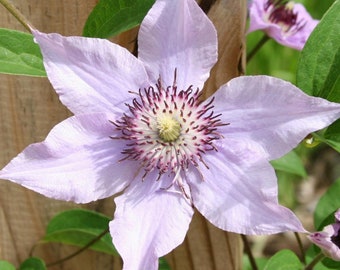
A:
329,238
285,21
140,130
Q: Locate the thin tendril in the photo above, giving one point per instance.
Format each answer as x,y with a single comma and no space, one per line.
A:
258,46
247,250
298,239
94,240
16,13
317,259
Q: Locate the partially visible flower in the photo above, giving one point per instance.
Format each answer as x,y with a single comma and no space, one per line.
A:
329,238
287,22
141,130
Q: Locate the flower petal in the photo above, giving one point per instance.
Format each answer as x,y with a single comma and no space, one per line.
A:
90,74
271,112
337,216
148,223
328,241
257,15
77,162
178,35
239,192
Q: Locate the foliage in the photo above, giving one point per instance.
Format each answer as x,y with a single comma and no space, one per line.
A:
4,265
19,54
112,17
33,263
79,227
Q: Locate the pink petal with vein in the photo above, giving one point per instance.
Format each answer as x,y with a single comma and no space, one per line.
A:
90,74
178,35
271,113
149,222
77,162
239,192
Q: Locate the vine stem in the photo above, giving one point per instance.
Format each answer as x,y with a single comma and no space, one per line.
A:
247,250
16,13
258,46
72,255
298,239
317,259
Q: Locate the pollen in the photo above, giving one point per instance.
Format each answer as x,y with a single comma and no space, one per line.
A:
290,5
169,129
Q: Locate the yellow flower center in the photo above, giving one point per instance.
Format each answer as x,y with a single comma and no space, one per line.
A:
169,128
290,5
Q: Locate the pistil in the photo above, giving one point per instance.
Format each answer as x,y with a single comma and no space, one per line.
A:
169,128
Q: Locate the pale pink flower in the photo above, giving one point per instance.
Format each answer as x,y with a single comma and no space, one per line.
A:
329,238
140,131
285,21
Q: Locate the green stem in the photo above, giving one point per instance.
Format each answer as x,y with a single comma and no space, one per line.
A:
247,250
97,238
298,239
317,259
16,13
258,46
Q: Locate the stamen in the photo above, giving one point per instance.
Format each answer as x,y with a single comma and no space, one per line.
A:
281,12
167,130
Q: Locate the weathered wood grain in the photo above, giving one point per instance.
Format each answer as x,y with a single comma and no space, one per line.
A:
29,108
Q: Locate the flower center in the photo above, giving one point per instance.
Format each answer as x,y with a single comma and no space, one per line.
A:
281,12
336,239
169,128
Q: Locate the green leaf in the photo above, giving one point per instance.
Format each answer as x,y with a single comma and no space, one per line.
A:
4,265
111,17
163,265
332,135
331,138
324,264
327,205
33,263
331,264
260,263
319,64
290,163
284,260
79,227
19,54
